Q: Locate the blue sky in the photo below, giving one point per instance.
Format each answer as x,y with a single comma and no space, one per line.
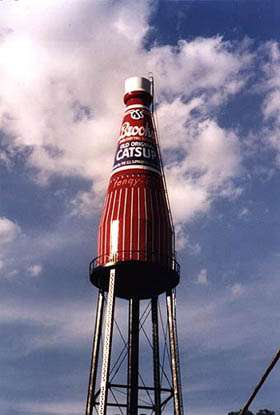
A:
216,66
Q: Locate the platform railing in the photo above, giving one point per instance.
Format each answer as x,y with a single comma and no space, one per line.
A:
134,255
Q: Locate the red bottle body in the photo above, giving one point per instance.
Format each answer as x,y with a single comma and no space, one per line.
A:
135,230
135,224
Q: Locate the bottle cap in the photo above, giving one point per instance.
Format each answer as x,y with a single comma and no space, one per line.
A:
137,83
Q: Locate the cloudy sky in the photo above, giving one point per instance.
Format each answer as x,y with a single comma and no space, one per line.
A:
216,66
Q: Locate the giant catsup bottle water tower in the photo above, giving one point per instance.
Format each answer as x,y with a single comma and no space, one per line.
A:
135,261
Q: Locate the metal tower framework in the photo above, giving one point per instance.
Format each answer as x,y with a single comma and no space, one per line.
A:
124,397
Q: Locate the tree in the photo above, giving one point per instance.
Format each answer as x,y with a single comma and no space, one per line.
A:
247,413
265,412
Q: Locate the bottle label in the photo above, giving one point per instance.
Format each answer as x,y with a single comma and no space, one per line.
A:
137,146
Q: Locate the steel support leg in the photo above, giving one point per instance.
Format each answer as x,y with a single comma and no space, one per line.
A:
133,357
95,353
107,345
156,358
174,352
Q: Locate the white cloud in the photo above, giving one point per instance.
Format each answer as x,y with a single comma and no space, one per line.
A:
194,248
202,277
271,105
207,162
62,86
61,324
183,241
44,105
35,270
214,155
186,197
9,230
50,408
272,80
207,64
181,237
87,202
34,248
237,290
4,159
245,212
12,273
215,321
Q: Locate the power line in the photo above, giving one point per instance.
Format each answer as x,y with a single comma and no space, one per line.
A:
261,382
